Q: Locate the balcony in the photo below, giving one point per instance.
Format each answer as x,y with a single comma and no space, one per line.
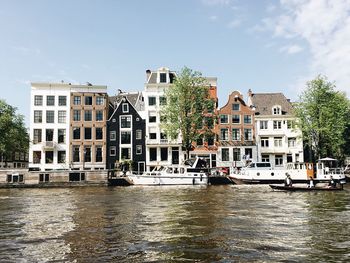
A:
50,145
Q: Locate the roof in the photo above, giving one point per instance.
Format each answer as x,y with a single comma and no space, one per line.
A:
264,102
131,97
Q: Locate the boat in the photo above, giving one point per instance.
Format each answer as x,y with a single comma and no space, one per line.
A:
304,188
264,173
192,172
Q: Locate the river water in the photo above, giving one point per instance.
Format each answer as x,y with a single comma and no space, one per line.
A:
174,224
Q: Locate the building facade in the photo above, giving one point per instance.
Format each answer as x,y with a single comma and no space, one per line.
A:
278,137
236,131
67,127
126,132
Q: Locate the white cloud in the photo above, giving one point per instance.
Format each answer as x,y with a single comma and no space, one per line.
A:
325,26
234,23
291,49
213,18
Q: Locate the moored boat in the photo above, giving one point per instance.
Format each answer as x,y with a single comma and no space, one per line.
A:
304,188
192,172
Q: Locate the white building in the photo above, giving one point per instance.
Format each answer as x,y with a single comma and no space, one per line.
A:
56,109
278,138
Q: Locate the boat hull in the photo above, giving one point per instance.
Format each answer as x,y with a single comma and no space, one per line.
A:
304,189
167,180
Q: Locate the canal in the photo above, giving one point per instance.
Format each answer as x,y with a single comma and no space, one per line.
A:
174,224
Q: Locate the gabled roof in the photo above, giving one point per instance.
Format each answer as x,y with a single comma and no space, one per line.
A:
264,102
131,97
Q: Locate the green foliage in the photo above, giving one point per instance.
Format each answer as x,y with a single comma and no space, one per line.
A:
324,116
187,100
13,134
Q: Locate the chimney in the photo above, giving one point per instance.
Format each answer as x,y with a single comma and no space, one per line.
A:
148,74
250,93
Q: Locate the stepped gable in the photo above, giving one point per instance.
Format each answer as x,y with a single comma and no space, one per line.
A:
264,102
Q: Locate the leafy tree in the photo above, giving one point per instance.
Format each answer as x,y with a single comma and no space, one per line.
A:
324,117
188,108
13,134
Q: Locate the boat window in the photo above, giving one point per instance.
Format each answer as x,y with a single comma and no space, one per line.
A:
252,165
195,174
182,170
169,170
176,171
272,174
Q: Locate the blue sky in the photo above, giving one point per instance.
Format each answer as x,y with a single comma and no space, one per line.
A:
264,45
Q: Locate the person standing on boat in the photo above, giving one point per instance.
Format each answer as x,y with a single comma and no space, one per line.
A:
332,183
288,180
311,182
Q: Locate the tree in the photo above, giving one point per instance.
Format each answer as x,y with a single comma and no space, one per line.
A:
13,134
324,116
188,102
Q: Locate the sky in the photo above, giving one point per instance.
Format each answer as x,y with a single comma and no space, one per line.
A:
262,45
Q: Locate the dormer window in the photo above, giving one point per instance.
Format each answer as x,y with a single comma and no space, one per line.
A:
162,77
276,110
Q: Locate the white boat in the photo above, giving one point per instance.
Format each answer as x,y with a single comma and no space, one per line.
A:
263,173
192,172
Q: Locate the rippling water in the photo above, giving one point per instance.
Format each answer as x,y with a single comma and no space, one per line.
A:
174,224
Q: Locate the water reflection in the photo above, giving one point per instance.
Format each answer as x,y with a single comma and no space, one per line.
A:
174,224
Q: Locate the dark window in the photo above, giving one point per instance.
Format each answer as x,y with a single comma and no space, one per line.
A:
36,156
77,100
49,157
125,107
125,153
88,100
87,134
61,135
37,136
162,77
76,154
200,141
125,137
225,154
100,100
223,118
61,156
76,133
98,154
210,140
152,119
248,152
99,133
50,100
125,122
153,154
50,116
236,154
38,100
76,115
99,115
247,119
151,101
87,154
88,115
62,100
163,154
236,119
235,107
49,135
153,135
38,116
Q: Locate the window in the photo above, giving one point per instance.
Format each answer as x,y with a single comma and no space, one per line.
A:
100,100
76,133
49,157
278,160
37,136
263,125
112,135
290,124
235,107
265,158
87,154
125,122
289,158
76,115
138,149
152,119
88,115
248,152
277,141
210,140
77,100
98,133
162,101
61,116
247,119
125,107
98,154
88,100
277,125
223,119
99,115
162,77
138,134
61,133
44,178
49,135
225,154
291,142
76,154
50,100
153,154
224,134
153,135
248,135
151,101
38,100
236,119
62,101
125,137
113,151
163,154
125,154
61,156
264,142
276,110
87,134
236,136
38,116
37,157
236,154
50,116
